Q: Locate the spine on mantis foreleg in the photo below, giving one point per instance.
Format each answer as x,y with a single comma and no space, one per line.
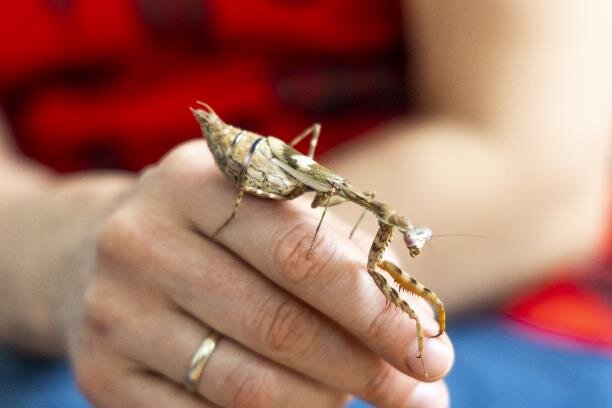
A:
394,298
411,285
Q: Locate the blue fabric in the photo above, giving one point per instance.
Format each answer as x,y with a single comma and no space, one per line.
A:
26,382
494,367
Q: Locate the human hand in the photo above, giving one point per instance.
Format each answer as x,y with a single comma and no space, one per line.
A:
296,332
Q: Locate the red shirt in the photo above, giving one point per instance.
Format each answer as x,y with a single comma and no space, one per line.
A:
107,83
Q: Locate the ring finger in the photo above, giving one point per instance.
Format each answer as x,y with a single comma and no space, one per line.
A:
232,376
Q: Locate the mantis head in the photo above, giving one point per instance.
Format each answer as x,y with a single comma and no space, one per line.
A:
416,238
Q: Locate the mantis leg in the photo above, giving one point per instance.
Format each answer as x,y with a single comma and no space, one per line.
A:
335,200
410,284
315,131
394,298
250,190
380,243
231,217
320,198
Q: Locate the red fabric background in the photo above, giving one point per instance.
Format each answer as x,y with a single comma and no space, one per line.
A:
107,83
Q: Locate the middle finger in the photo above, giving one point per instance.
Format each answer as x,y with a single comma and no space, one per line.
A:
274,238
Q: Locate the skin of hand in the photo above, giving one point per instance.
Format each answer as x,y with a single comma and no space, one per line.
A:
147,283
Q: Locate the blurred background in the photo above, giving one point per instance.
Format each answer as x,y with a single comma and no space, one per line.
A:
110,82
90,85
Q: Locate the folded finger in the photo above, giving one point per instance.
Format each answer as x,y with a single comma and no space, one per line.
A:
109,379
145,389
232,376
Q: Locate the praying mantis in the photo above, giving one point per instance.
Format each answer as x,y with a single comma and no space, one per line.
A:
269,168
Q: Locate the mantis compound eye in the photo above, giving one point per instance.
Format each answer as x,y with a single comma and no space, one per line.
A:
416,238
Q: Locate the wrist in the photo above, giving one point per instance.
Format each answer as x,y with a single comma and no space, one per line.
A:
54,220
85,202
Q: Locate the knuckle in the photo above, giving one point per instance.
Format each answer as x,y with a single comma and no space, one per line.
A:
123,240
148,175
101,315
187,163
252,387
291,255
112,237
376,388
282,326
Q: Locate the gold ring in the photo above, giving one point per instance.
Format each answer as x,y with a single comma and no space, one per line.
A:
199,360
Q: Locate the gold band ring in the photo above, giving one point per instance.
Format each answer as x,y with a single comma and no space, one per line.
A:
199,360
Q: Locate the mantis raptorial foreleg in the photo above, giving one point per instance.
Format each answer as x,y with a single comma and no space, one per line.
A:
394,298
408,283
380,243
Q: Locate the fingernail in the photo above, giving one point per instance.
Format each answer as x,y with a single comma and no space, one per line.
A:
429,395
436,358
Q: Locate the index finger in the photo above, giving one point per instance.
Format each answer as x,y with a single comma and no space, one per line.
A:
274,237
